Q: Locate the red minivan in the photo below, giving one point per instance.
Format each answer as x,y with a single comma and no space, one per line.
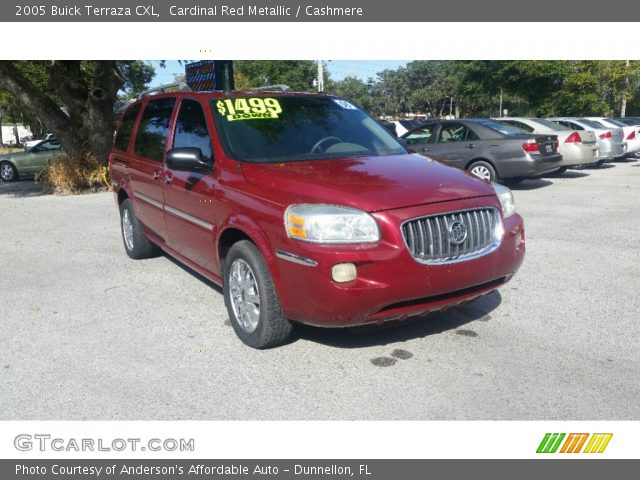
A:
306,210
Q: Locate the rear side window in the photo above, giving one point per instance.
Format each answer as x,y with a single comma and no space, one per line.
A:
153,129
191,129
126,127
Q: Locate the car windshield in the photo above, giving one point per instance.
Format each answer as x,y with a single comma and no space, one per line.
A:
294,128
551,125
500,127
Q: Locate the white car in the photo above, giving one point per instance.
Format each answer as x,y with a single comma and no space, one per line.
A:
631,132
32,143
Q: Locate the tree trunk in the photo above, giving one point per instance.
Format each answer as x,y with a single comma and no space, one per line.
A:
89,125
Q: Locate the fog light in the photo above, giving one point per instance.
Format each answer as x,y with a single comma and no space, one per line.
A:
343,272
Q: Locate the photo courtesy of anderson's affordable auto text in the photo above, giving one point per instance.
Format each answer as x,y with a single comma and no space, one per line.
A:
238,241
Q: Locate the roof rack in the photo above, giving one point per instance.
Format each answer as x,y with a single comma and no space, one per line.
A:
169,87
274,88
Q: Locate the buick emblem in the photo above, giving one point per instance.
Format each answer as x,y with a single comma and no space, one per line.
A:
457,232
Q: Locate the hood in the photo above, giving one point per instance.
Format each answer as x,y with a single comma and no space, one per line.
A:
366,183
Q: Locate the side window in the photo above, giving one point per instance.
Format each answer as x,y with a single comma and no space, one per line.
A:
126,127
191,129
420,135
153,129
471,135
452,132
50,145
575,126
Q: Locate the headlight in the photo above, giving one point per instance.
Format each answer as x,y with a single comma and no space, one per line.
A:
506,199
330,224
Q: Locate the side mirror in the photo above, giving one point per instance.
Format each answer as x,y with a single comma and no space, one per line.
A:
186,159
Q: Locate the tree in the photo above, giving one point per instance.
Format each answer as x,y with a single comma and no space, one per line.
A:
74,99
354,89
297,74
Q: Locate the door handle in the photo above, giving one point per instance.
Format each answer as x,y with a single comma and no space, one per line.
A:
469,145
156,175
425,149
168,176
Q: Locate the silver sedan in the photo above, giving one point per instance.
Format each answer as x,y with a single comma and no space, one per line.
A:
610,140
577,147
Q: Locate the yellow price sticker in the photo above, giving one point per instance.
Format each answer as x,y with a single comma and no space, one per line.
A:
254,108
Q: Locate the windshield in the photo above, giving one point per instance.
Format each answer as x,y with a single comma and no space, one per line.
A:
293,128
500,127
551,125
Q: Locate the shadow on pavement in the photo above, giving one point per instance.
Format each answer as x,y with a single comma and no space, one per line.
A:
531,184
22,189
569,174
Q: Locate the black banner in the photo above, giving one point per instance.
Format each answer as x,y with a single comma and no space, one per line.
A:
326,469
320,11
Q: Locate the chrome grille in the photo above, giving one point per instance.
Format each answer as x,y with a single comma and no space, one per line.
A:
429,239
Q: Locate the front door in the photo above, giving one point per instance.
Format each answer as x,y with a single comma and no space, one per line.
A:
189,196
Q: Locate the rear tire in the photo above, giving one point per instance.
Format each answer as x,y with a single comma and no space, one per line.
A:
561,170
136,244
8,172
251,299
483,170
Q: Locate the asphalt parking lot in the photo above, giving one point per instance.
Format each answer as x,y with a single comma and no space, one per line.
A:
87,333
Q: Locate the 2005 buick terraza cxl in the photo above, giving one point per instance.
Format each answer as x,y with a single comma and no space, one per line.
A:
306,210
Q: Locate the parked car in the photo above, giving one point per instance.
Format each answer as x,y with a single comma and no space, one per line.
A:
578,148
610,140
631,133
488,149
628,120
24,164
306,210
32,143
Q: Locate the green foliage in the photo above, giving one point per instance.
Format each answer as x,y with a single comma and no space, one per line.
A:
297,74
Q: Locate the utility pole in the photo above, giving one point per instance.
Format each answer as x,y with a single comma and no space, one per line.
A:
320,80
500,115
623,109
450,106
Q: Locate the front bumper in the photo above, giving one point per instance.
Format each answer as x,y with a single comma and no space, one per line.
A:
391,284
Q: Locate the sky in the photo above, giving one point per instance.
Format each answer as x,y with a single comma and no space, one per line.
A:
338,69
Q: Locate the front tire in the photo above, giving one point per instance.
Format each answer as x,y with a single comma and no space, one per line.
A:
136,244
483,170
8,172
251,299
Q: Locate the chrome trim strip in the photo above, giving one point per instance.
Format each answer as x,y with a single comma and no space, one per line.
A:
188,218
175,211
292,257
148,200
